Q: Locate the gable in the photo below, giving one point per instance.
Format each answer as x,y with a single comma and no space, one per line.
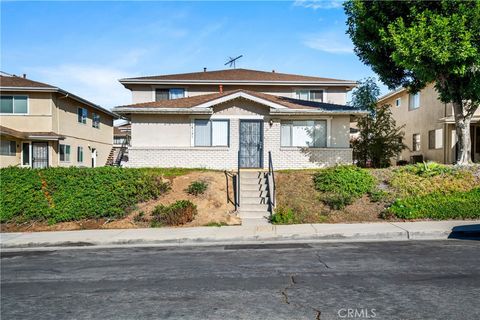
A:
240,107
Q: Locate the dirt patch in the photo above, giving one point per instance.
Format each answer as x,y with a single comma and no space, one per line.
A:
212,207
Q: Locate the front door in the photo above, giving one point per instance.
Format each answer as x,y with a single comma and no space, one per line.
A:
39,155
251,143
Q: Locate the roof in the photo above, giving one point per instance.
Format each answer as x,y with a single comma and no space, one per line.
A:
236,75
391,94
14,83
201,103
30,135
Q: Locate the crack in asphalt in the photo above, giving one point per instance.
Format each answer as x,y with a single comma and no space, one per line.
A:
321,261
286,298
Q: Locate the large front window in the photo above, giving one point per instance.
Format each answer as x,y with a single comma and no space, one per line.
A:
211,133
169,94
14,104
304,133
8,148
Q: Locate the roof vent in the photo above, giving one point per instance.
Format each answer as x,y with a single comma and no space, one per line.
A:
204,69
273,71
25,76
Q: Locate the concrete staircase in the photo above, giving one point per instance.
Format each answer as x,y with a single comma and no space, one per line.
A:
253,198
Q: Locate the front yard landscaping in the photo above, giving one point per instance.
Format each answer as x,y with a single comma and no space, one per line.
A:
109,197
351,194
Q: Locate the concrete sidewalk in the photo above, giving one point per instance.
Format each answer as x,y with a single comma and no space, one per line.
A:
381,231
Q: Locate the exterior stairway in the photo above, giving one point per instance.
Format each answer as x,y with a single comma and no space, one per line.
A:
254,198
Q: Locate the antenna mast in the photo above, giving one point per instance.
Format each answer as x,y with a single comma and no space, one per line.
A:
231,61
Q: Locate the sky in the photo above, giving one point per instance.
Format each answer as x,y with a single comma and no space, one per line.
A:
85,47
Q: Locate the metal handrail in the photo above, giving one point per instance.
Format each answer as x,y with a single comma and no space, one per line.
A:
121,152
238,179
271,174
234,188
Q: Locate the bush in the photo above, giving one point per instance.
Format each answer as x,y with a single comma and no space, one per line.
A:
197,187
283,216
343,184
428,169
456,205
178,213
68,194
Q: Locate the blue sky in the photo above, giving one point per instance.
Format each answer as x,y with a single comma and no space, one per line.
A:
85,47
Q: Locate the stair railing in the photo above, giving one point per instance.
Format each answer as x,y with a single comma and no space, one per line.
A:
271,184
121,152
238,180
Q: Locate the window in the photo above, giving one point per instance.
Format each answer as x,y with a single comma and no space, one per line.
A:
64,152
169,94
79,154
26,154
414,101
398,102
306,133
96,120
82,115
211,133
8,148
118,139
435,139
416,142
312,95
14,104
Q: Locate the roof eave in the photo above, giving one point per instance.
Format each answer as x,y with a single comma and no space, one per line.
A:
130,110
314,111
241,82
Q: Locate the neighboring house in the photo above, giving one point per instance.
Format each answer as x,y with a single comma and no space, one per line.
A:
42,126
429,126
229,118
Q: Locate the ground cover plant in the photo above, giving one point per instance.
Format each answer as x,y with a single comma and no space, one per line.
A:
175,214
197,187
68,194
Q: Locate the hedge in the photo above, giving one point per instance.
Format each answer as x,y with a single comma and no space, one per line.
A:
438,206
67,194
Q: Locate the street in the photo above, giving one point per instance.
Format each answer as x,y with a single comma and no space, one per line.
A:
370,280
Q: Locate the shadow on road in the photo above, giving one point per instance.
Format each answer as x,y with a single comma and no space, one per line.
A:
466,232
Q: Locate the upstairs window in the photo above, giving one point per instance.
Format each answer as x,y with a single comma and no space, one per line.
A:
211,133
398,102
310,95
306,133
169,94
414,102
96,120
14,105
8,148
82,115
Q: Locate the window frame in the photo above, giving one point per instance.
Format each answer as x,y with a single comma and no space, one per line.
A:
437,143
13,105
327,133
80,152
78,115
411,101
309,94
211,133
65,153
414,143
10,144
29,143
154,92
95,123
398,102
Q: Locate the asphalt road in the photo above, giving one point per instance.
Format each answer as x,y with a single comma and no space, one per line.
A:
382,280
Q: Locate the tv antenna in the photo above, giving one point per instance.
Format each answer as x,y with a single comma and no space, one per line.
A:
231,61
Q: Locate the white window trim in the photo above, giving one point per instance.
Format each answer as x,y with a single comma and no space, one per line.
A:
93,120
192,131
83,154
17,114
70,158
410,101
154,89
294,93
329,132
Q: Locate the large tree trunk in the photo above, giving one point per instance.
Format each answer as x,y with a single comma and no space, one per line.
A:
462,129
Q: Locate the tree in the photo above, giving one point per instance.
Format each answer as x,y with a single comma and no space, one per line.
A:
380,140
414,43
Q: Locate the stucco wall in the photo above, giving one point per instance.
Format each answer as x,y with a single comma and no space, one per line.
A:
165,141
146,93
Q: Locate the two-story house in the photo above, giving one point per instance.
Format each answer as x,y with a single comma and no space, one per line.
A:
429,126
237,117
42,126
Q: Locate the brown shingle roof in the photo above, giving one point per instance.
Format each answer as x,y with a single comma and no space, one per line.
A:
201,99
14,81
238,75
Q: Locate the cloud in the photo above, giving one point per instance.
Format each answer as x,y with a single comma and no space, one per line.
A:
319,4
331,42
98,84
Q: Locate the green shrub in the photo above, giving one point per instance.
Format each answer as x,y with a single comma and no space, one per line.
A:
67,194
455,205
428,169
378,195
343,184
197,187
178,213
283,216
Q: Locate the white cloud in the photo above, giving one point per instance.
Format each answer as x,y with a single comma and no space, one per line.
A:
331,42
98,84
319,4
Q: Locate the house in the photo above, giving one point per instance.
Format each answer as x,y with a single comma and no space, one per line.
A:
42,126
234,118
429,126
